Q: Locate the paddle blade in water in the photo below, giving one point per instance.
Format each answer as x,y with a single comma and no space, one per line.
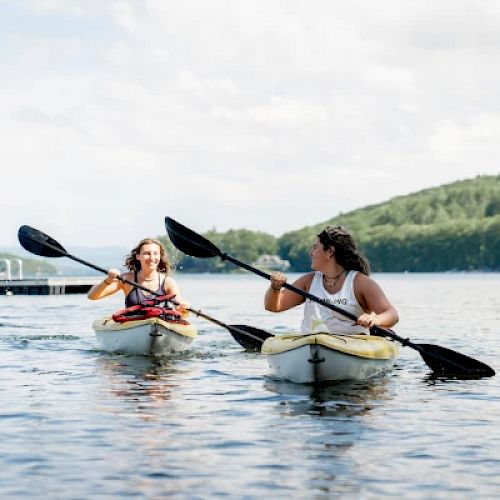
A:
189,242
249,337
449,363
39,243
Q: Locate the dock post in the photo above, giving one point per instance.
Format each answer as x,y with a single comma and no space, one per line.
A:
20,270
7,265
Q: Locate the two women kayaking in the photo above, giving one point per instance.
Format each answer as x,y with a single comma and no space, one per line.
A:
340,276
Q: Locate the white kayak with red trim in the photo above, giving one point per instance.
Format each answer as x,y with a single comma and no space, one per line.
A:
323,357
151,336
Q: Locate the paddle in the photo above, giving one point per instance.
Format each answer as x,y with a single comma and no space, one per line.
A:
39,243
441,360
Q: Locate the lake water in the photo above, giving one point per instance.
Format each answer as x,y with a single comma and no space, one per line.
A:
76,422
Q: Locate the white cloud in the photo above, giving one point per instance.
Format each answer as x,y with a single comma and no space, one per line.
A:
287,113
477,141
124,15
269,115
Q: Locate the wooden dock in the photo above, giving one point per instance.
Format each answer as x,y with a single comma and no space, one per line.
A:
48,286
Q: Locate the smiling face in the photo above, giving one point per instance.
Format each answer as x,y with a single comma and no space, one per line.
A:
320,258
149,257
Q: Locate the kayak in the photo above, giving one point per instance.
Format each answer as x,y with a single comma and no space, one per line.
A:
150,337
321,357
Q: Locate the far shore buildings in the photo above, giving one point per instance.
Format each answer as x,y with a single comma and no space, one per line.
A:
272,263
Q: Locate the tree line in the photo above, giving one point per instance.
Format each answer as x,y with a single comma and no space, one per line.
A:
450,227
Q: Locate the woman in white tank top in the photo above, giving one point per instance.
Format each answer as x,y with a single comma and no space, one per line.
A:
341,278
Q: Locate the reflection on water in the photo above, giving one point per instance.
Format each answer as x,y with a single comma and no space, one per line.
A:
329,399
146,367
323,425
141,380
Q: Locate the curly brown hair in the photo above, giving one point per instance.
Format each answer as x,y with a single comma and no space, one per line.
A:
342,243
133,264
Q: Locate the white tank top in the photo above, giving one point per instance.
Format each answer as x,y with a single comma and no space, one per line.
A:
318,318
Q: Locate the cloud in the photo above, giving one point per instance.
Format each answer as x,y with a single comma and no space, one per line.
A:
267,115
477,141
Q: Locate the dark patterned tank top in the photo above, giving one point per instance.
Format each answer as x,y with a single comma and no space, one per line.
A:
137,296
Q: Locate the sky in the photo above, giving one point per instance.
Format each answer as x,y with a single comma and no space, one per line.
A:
266,115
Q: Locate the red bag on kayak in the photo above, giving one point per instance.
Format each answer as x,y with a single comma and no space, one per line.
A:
139,312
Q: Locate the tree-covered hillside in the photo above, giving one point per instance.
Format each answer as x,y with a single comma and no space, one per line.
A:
451,227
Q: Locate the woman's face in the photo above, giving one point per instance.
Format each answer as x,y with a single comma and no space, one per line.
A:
149,257
319,256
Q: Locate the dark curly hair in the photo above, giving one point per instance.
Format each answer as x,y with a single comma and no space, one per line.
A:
133,264
342,243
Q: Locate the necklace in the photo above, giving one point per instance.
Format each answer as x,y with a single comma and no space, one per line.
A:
331,282
149,279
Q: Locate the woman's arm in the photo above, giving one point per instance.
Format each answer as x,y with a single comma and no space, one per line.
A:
170,286
278,299
378,310
108,286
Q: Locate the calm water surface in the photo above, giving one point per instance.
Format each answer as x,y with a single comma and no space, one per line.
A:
76,422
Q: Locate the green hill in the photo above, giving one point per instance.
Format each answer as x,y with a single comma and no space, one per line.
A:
450,227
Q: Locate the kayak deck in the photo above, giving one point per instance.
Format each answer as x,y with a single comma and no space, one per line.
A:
363,346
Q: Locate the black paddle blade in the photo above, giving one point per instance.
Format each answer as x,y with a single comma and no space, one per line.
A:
249,337
449,363
189,242
39,243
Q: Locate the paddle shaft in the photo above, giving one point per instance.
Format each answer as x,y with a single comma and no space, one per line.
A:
197,312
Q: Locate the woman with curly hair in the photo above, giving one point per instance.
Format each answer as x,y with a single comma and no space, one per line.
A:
147,265
341,277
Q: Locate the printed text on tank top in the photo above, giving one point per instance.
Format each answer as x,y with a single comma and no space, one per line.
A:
333,322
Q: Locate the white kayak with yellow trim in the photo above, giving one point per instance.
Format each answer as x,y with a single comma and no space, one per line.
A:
150,337
322,357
